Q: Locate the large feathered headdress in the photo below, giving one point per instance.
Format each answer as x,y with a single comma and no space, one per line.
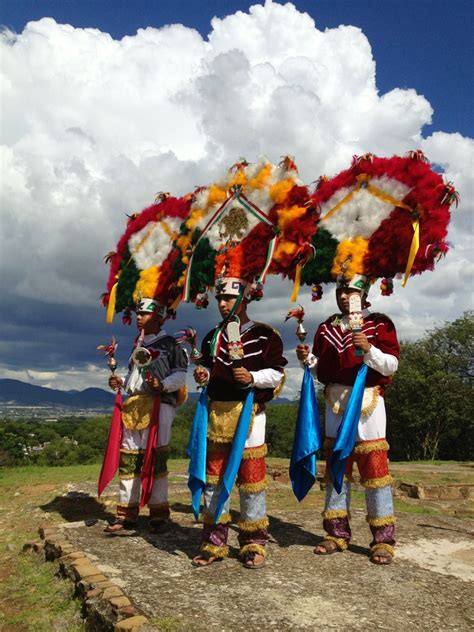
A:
241,226
137,266
380,218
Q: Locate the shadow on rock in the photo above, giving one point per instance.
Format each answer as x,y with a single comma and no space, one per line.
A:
176,539
77,506
286,533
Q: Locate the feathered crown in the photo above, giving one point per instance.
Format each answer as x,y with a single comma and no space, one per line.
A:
380,218
137,266
241,226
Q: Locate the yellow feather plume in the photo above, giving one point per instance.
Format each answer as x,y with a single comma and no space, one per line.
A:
349,259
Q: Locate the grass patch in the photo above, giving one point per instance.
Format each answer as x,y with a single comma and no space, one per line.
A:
35,474
167,624
32,598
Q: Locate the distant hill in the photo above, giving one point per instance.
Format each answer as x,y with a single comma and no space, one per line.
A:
17,393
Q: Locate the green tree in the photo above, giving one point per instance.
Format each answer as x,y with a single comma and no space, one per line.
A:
429,404
60,452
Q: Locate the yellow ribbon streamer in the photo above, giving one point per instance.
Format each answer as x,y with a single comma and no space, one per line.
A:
297,283
171,234
415,244
111,304
176,302
341,203
363,179
385,197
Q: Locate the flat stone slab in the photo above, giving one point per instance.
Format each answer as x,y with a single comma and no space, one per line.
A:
429,586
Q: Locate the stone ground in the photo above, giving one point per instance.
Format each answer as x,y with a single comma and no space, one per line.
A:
428,587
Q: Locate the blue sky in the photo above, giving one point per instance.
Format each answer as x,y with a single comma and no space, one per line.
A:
426,44
93,127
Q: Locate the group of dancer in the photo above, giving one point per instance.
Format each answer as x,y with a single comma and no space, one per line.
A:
228,237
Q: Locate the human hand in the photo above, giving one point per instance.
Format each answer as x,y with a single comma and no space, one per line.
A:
201,375
115,382
242,375
302,352
360,341
153,382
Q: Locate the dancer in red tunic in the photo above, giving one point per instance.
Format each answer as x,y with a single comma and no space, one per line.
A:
334,362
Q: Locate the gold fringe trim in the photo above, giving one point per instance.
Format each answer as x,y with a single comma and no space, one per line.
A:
336,513
217,439
277,390
253,488
338,405
375,483
384,547
223,419
127,451
253,548
217,551
371,446
341,543
253,525
207,518
255,453
381,522
213,479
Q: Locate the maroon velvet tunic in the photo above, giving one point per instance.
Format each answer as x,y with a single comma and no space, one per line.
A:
337,363
263,349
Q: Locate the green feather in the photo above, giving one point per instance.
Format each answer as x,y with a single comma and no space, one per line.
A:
318,269
128,279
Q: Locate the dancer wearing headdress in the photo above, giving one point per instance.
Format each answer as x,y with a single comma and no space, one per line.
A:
380,218
156,378
240,227
335,364
249,357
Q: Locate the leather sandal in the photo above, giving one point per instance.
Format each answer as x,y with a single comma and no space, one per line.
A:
248,560
206,557
385,557
119,525
329,547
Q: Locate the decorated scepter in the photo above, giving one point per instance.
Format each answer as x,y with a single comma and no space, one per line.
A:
109,351
298,313
189,335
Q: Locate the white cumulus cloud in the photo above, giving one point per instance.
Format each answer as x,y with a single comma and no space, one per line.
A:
93,127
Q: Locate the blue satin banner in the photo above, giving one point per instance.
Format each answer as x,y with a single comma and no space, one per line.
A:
307,439
347,433
197,449
236,452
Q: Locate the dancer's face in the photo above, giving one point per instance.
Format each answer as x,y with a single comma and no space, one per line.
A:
342,298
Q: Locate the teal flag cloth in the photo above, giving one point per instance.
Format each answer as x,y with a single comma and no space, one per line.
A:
197,449
307,439
347,433
235,456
